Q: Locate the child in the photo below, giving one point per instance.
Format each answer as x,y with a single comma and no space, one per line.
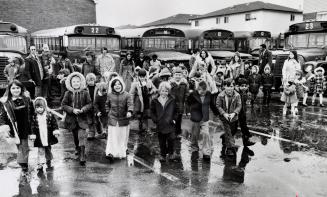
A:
229,105
45,132
200,102
11,70
100,109
90,84
243,89
219,80
89,65
180,91
164,115
141,91
320,85
119,106
77,104
289,97
15,118
309,84
267,83
254,83
299,83
62,76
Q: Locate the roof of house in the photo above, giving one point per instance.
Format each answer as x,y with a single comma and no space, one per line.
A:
247,7
176,19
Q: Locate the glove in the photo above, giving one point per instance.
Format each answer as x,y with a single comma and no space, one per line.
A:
32,137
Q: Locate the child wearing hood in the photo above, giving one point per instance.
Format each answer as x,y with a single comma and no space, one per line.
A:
44,132
267,83
254,83
99,104
320,85
289,97
309,84
119,106
77,104
90,84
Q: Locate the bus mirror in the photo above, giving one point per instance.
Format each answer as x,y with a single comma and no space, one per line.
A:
65,41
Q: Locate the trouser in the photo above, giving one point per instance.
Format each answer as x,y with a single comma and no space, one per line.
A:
166,143
266,95
143,121
80,136
23,153
253,97
179,119
243,125
230,129
45,88
63,89
44,154
320,98
38,91
203,129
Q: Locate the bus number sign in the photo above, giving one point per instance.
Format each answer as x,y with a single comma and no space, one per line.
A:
94,30
309,26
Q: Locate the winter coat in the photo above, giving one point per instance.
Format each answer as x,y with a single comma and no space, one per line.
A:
199,110
237,69
264,59
244,97
289,94
51,126
234,107
310,82
254,83
7,117
180,92
164,117
300,88
320,84
118,104
267,80
126,71
76,99
89,68
141,95
208,64
289,69
63,64
105,63
32,70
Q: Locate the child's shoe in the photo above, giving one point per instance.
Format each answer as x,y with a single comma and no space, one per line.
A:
39,167
49,166
322,105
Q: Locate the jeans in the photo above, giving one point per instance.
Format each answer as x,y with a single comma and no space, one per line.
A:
206,141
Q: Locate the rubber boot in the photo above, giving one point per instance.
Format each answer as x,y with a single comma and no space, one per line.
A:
305,97
284,110
82,156
320,99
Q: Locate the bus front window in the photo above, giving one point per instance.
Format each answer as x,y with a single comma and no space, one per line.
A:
297,41
221,44
255,43
92,43
165,43
13,43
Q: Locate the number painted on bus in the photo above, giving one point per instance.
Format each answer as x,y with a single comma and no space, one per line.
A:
95,30
309,26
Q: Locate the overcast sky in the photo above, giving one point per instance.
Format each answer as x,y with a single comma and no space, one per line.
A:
137,12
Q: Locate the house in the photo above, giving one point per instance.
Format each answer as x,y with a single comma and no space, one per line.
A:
179,21
251,16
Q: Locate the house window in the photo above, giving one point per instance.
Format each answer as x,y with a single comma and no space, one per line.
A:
247,17
196,23
218,20
292,17
226,19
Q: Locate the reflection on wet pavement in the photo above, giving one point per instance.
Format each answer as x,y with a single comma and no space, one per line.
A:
271,167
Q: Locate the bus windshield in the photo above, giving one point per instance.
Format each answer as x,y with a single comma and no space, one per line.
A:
225,44
306,40
254,43
93,43
13,43
165,43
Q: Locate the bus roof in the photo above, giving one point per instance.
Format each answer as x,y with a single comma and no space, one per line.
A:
311,26
7,27
242,34
147,32
194,33
60,31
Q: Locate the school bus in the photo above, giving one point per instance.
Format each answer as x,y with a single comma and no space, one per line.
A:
13,43
220,43
76,40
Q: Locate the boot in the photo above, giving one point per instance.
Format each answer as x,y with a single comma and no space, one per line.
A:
284,110
49,166
82,159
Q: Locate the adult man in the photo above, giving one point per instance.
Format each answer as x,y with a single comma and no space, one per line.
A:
34,71
47,61
140,60
264,58
105,62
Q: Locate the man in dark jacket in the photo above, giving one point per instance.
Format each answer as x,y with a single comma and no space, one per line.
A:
199,102
34,71
264,58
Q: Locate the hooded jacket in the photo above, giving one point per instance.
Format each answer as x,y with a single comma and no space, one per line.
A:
180,92
76,99
267,80
118,104
234,107
51,124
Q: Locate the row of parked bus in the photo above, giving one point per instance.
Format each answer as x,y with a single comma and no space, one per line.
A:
169,44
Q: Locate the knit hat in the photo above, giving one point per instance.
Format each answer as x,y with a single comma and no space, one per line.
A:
164,72
142,72
320,69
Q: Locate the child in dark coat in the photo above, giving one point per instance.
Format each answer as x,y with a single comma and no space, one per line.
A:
77,104
320,85
200,102
45,132
90,84
100,108
254,83
164,114
267,83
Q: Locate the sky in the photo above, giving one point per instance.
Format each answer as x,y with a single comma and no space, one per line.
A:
137,12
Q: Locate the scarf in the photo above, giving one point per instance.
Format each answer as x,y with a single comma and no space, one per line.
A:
43,128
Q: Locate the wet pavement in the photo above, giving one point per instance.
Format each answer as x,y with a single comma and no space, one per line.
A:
288,159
